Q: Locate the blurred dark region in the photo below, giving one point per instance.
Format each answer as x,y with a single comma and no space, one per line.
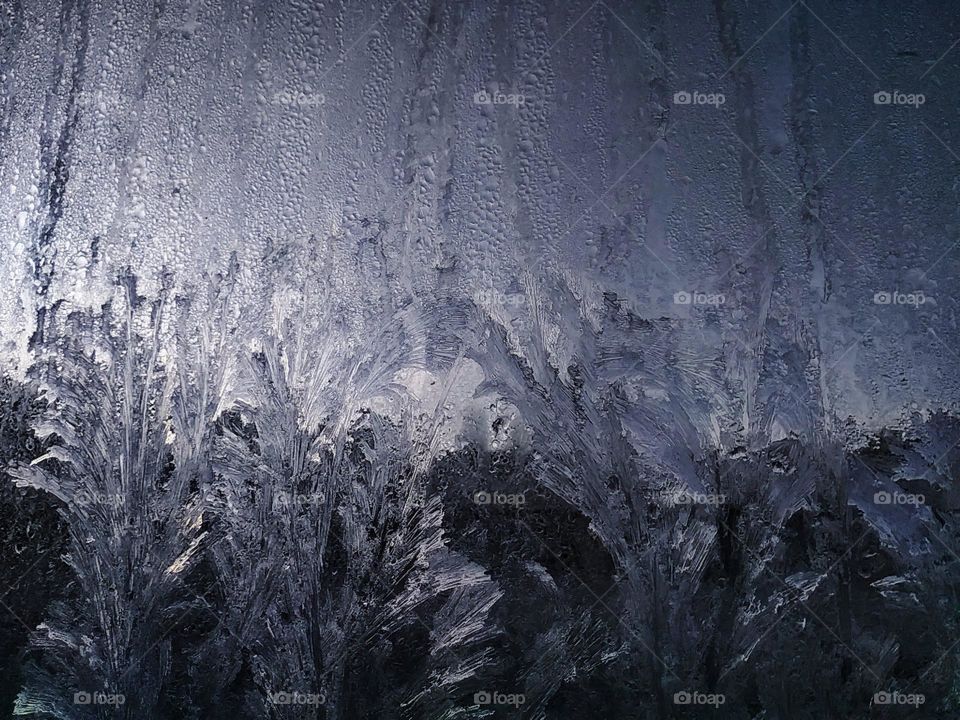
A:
32,573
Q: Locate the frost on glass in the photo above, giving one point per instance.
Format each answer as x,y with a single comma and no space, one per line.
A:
467,360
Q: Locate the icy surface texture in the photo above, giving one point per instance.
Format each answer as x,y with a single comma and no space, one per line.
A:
430,359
